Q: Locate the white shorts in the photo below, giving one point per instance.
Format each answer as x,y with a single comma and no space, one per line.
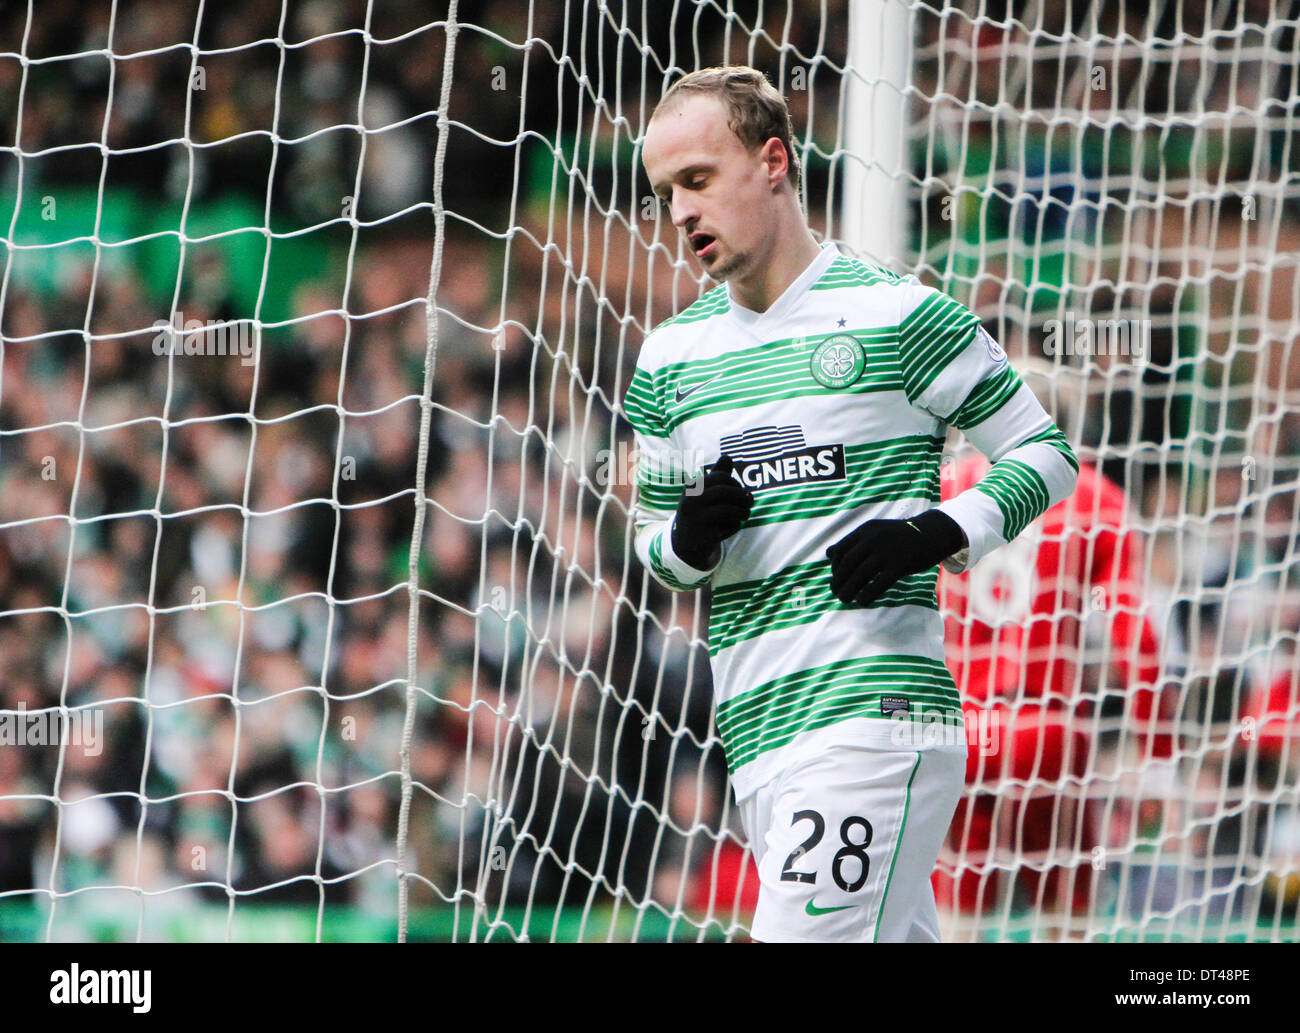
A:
846,842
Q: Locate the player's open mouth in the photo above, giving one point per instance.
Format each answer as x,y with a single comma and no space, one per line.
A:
703,244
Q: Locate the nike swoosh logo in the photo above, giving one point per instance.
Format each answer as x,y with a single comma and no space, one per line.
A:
681,395
814,910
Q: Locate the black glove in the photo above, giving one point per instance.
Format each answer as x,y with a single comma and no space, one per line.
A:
868,561
708,515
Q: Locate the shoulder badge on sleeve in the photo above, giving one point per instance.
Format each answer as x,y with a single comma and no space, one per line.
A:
995,350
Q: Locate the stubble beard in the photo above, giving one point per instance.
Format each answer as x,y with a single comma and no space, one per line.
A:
727,267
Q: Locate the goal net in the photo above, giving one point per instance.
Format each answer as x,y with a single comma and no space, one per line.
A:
319,613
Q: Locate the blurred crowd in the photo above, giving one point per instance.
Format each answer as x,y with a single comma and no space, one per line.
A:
218,555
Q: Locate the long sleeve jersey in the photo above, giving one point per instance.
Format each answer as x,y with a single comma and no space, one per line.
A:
833,404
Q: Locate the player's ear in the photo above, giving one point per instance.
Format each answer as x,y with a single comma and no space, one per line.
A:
776,160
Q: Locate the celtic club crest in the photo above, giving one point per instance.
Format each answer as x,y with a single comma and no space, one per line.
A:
838,361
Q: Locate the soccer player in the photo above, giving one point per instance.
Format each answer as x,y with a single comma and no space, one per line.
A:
812,394
1014,635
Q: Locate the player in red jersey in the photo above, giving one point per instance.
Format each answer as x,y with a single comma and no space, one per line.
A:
1014,636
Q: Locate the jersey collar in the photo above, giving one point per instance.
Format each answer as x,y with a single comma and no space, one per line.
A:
790,297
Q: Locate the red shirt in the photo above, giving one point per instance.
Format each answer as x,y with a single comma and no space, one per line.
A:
1013,623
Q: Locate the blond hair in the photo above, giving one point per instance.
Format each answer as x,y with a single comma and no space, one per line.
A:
756,111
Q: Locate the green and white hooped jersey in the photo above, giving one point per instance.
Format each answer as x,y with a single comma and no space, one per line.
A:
834,405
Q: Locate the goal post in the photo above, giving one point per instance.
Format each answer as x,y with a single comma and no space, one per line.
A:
875,165
319,613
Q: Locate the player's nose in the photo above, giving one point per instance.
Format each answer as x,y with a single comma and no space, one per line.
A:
683,209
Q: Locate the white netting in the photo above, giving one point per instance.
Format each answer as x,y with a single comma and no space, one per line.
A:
341,561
